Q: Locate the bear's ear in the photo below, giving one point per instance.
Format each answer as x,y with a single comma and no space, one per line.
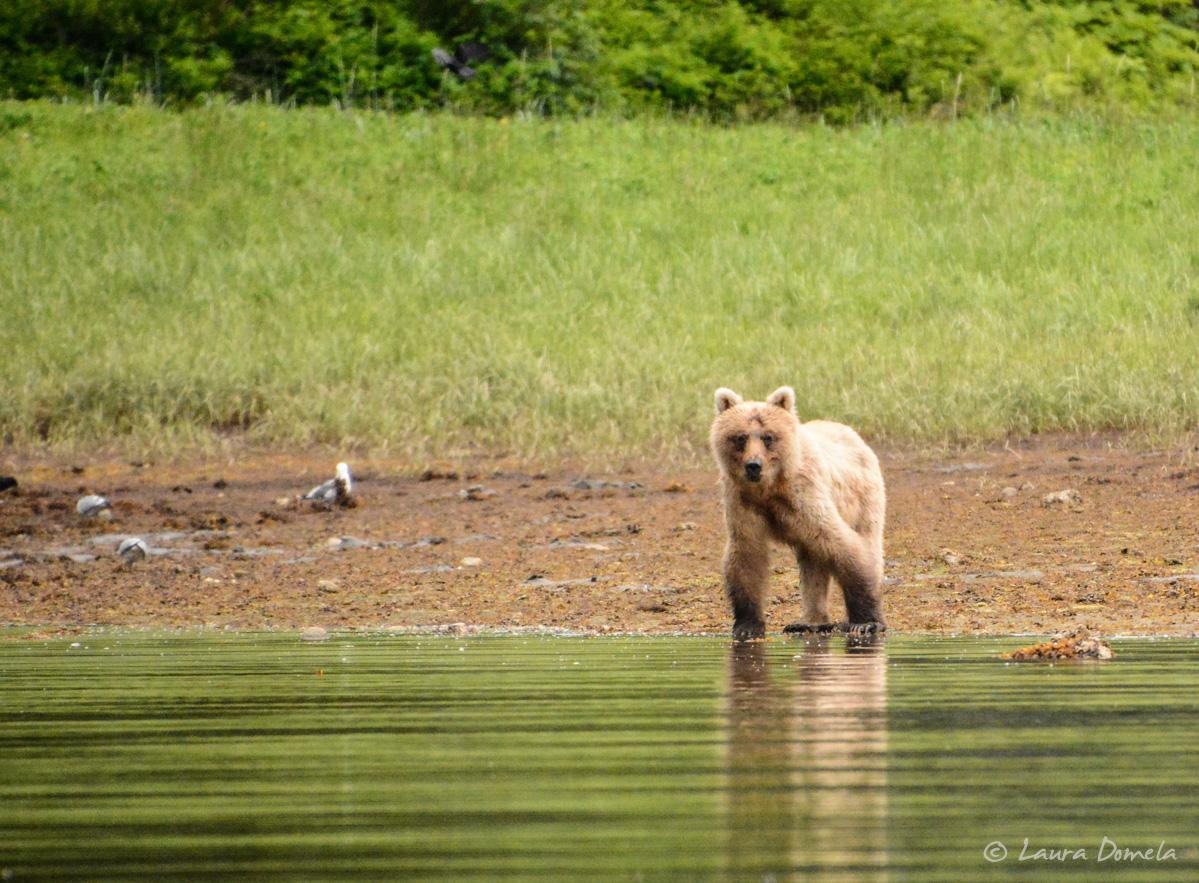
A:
783,397
725,399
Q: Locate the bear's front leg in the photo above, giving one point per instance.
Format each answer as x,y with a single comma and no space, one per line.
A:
814,577
746,575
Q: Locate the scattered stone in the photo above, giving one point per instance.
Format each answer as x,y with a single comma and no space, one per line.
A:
428,541
540,582
556,493
1078,644
314,633
1068,497
598,484
1028,486
439,473
94,506
950,558
476,492
576,544
676,487
1008,494
472,562
329,586
132,550
951,468
1032,575
686,525
241,552
341,544
588,484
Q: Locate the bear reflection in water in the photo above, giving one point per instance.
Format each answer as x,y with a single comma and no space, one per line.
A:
805,759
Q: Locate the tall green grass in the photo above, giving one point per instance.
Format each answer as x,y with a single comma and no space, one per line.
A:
429,285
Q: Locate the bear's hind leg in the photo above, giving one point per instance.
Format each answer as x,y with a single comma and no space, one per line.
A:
861,585
815,579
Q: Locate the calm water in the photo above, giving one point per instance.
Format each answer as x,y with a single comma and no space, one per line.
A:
244,757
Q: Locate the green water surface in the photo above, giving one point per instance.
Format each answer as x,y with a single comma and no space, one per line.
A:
128,755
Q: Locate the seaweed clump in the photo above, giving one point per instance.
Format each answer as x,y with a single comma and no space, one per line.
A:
1078,644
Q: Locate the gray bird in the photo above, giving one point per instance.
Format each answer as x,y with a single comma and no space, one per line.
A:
457,62
335,490
132,550
94,506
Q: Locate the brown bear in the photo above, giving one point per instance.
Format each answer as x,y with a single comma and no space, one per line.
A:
815,487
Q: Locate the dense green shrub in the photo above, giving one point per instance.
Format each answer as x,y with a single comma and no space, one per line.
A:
843,59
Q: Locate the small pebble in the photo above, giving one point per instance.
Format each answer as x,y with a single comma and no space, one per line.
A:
314,633
471,562
950,558
1068,497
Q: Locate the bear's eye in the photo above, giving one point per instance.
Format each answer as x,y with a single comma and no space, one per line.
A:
741,441
768,440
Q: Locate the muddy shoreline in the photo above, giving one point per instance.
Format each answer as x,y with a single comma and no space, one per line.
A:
983,543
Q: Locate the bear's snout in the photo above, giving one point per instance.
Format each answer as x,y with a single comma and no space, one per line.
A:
753,469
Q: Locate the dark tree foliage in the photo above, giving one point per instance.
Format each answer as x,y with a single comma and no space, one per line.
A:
843,59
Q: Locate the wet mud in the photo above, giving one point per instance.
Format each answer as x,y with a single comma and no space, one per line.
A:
1031,538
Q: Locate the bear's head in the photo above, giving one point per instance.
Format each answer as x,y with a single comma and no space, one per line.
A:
752,441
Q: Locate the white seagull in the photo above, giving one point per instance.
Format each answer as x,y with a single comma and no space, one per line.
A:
132,550
335,490
94,506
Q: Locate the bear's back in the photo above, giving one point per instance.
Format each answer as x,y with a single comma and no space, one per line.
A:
853,471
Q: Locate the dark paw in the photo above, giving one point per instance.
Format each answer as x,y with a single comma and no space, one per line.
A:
749,630
803,628
863,628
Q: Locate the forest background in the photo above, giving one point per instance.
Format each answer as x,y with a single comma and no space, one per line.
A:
283,222
839,60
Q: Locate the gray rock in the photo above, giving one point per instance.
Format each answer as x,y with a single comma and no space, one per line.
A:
341,544
1068,497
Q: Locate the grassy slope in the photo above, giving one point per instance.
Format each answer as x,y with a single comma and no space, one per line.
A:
428,284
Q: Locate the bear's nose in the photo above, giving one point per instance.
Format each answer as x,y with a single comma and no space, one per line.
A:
753,470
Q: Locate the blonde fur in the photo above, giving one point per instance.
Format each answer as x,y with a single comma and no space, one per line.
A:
819,490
